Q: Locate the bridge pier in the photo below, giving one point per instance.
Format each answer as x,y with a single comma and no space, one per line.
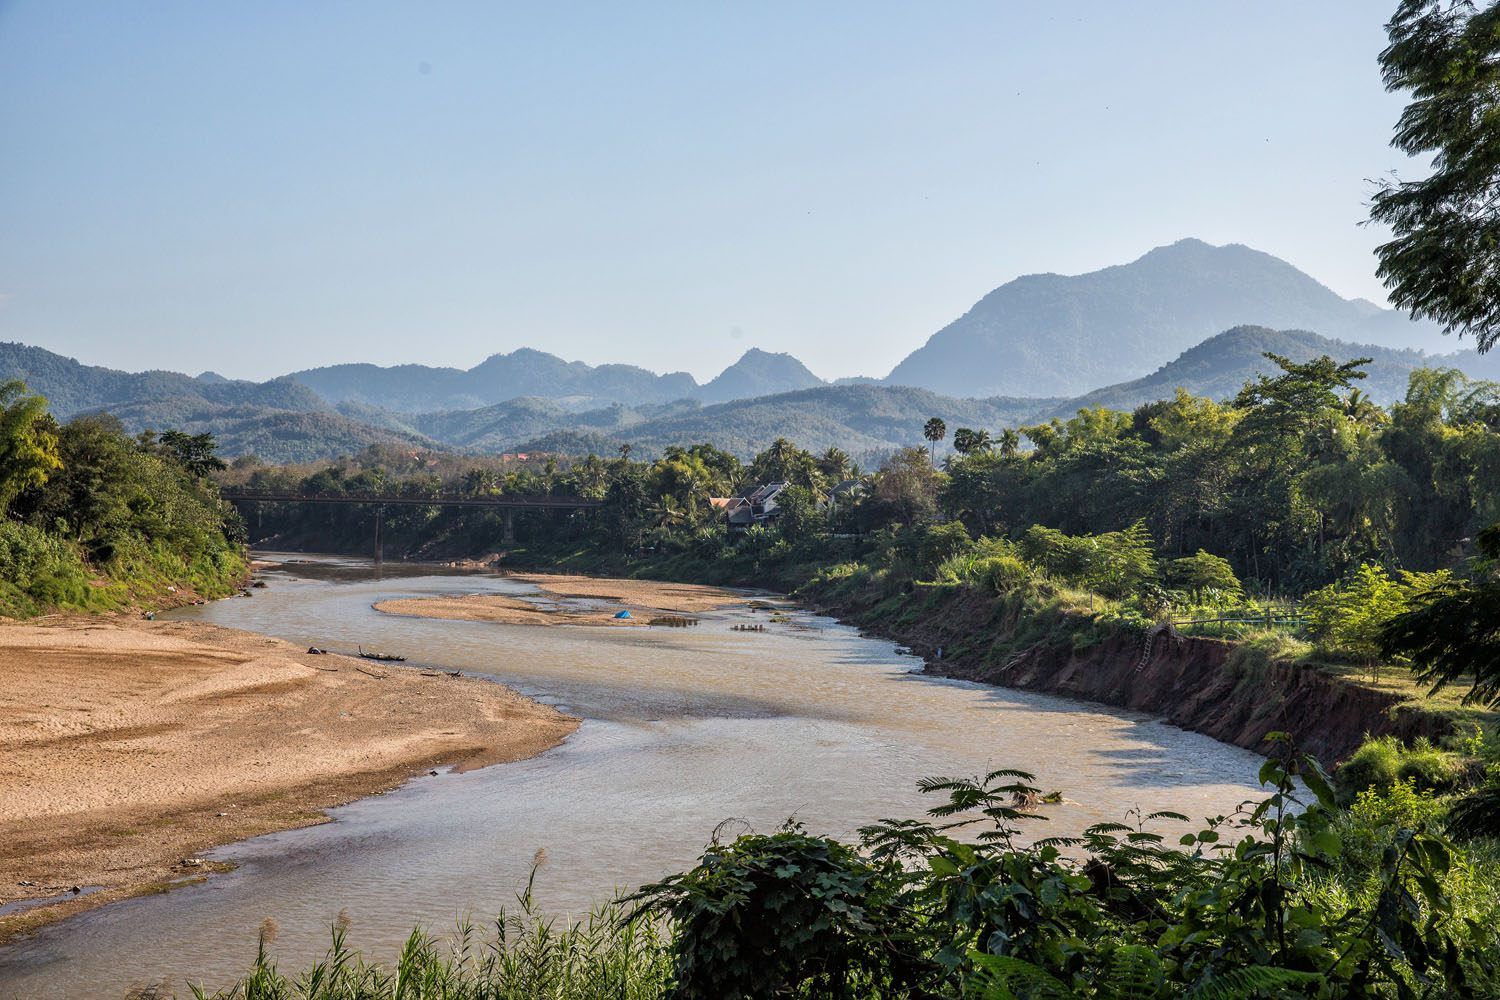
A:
379,512
509,535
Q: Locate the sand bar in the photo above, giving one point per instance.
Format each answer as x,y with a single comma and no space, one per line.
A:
604,598
131,747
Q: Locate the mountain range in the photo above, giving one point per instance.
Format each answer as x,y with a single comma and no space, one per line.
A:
1038,347
527,372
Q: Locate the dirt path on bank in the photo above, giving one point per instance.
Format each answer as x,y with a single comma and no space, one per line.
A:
131,747
594,601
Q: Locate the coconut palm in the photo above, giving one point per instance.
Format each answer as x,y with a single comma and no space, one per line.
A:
835,464
934,431
1010,443
970,442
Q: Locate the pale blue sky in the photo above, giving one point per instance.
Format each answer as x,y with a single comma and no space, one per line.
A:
261,187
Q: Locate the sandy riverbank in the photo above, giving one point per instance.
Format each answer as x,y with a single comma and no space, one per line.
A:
133,746
644,599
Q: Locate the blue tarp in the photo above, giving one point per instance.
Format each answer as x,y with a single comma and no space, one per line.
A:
623,614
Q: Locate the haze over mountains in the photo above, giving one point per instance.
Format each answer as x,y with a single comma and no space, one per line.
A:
1189,315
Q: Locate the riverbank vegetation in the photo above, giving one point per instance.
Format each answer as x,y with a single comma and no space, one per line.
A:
93,519
1297,508
1363,885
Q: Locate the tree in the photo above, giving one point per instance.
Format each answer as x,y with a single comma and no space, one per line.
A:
908,486
1282,408
836,465
1444,260
1452,630
1010,443
1349,618
197,453
684,480
28,446
934,431
784,462
968,442
1202,573
798,515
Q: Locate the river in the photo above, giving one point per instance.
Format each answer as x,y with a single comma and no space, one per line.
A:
682,729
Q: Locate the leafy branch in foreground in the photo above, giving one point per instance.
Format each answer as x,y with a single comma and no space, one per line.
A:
1442,261
1453,632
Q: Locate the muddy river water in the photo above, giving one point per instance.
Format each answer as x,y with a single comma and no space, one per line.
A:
682,729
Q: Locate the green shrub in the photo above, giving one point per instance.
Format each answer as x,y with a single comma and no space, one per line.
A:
1381,763
1376,818
1115,564
1005,573
780,915
1346,618
1209,578
1430,769
40,571
938,543
1258,651
1376,764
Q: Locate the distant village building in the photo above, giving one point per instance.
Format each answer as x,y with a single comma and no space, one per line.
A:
755,507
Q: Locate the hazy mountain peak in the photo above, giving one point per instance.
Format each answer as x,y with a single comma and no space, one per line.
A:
1058,335
759,373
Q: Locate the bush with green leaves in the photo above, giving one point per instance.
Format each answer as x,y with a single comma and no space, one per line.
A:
1115,563
1208,578
1380,763
787,911
956,906
1348,618
1374,818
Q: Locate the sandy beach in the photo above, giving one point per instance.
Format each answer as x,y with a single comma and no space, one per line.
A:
131,747
644,599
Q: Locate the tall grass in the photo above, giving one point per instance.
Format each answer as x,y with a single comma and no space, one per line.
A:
611,953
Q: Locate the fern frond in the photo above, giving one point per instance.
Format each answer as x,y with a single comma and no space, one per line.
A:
1252,982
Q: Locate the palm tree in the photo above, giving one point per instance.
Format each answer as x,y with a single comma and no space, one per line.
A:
835,464
1361,409
1010,443
970,442
934,431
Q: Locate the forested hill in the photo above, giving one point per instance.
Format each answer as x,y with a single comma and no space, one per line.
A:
1221,364
860,419
279,420
72,388
1050,334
